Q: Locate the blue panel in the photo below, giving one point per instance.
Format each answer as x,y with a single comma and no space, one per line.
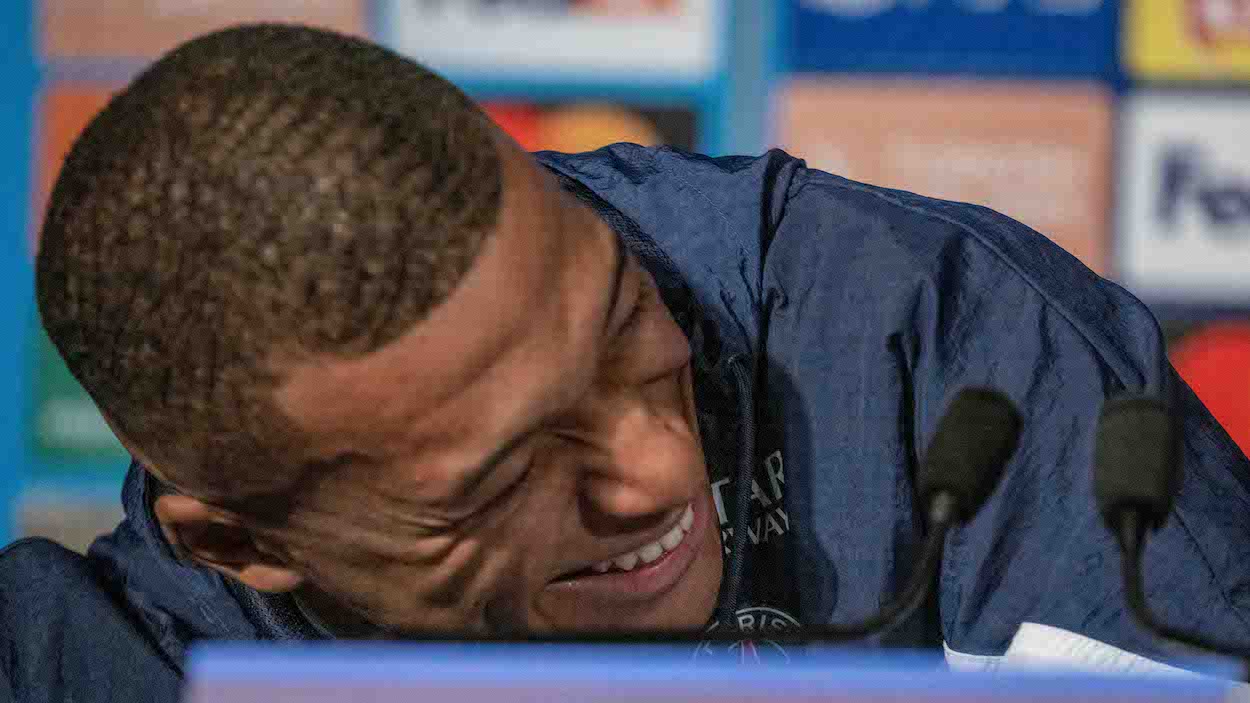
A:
17,85
738,118
620,672
1051,38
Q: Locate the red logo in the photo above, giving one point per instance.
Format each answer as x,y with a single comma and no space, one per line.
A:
1219,22
1214,359
758,652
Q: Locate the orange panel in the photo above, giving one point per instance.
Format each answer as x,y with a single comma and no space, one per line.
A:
586,127
1038,152
148,28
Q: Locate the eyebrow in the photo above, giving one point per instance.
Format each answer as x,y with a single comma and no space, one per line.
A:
478,474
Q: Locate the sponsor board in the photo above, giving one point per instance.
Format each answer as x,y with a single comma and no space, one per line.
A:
993,37
1188,39
147,28
1184,215
634,40
1039,153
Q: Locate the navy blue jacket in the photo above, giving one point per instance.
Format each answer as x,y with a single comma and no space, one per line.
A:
831,323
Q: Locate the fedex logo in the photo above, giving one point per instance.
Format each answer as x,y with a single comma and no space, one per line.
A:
1184,212
1188,180
1215,22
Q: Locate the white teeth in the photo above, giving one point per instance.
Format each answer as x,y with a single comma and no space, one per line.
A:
626,562
651,552
672,539
687,519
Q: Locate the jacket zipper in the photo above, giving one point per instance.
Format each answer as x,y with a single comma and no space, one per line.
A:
735,574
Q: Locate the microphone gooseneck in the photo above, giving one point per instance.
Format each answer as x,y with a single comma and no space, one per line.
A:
1136,470
975,439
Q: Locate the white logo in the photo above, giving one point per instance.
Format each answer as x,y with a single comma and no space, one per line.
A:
769,520
1185,215
755,647
553,40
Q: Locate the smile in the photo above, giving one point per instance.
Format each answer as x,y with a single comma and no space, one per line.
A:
640,576
651,551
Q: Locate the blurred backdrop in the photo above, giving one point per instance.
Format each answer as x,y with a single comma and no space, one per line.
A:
1119,129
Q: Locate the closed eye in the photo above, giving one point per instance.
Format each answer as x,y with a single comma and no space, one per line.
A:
508,491
634,314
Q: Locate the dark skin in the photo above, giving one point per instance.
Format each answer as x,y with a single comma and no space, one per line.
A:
539,422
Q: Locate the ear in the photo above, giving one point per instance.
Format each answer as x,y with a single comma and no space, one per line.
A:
216,539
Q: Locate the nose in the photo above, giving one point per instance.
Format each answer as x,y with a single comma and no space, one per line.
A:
646,463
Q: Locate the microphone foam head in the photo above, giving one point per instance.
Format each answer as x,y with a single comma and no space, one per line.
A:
974,441
1135,459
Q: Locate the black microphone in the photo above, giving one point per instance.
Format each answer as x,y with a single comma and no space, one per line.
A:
1136,473
974,440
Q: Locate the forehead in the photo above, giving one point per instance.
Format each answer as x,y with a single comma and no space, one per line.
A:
496,352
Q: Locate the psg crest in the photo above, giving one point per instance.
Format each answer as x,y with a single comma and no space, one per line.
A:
754,647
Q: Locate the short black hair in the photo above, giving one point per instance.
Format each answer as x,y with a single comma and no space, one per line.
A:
263,192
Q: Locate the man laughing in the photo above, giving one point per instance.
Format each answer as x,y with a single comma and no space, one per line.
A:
384,374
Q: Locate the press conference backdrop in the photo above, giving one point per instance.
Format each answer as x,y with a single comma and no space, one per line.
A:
1122,131
1119,129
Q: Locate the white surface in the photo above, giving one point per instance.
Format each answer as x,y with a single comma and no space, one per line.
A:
1194,257
467,38
1044,647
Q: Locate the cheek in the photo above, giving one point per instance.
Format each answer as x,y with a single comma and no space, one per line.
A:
662,346
416,584
526,549
521,548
